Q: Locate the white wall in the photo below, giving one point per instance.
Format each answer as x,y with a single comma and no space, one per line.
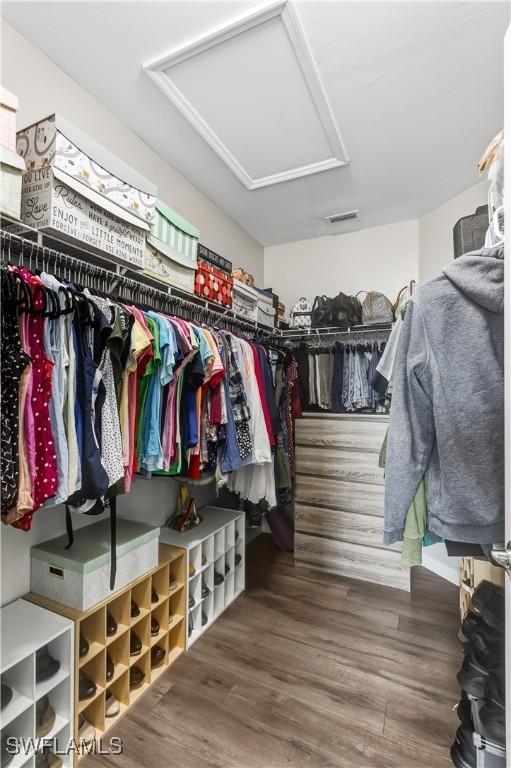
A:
435,229
378,258
44,88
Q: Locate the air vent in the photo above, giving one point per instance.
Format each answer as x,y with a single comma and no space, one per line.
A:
338,217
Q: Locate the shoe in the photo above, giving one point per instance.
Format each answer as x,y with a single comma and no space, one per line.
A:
191,601
217,578
170,618
237,560
6,695
190,624
154,596
6,756
44,717
136,677
487,645
472,677
463,751
84,646
86,731
112,705
191,570
172,585
47,759
155,627
157,655
471,621
205,591
109,668
111,625
45,665
135,644
227,569
204,618
488,599
492,714
204,560
135,610
464,711
86,688
236,536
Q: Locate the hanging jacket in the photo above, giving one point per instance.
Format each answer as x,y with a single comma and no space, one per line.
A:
447,415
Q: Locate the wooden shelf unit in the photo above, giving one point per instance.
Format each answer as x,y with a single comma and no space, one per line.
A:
92,624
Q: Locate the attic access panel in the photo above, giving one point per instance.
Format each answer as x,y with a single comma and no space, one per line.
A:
253,92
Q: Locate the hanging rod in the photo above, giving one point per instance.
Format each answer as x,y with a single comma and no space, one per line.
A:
84,268
312,334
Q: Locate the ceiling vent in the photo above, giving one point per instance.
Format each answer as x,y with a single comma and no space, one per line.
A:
336,218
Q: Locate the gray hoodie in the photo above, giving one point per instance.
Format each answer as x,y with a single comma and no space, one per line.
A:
447,415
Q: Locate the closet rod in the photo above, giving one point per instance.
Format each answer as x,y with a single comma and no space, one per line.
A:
312,334
83,268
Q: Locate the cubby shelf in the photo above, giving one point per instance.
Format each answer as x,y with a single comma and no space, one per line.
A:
25,629
92,624
219,537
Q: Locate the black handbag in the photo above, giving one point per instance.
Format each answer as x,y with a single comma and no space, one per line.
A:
321,315
346,310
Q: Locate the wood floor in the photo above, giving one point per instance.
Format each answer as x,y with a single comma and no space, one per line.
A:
307,669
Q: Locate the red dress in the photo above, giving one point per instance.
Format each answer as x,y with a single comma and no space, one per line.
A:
46,478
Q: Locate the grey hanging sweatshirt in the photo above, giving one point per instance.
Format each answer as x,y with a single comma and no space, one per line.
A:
447,414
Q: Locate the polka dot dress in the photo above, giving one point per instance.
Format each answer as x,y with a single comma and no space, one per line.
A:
46,479
14,361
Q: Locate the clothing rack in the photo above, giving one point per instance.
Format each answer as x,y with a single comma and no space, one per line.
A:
327,336
19,249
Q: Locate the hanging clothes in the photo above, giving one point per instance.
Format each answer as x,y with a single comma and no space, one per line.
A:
119,389
447,404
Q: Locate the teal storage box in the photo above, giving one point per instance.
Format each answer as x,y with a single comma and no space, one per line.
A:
171,252
79,577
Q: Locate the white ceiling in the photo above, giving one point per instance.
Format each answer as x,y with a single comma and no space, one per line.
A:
415,90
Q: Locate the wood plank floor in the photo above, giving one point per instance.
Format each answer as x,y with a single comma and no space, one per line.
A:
307,669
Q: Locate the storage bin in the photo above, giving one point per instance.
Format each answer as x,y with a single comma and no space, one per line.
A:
79,577
9,105
101,177
11,175
212,284
76,188
171,253
266,310
206,254
245,300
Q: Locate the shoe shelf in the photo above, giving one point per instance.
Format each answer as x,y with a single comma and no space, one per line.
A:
37,669
215,565
131,639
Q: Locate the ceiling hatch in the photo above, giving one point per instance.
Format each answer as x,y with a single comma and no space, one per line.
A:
254,93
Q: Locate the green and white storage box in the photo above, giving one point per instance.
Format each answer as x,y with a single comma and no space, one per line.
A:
171,253
244,300
11,174
79,577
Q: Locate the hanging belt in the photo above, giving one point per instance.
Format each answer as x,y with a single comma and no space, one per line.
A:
112,504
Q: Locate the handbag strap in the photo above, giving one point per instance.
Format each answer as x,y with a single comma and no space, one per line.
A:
396,303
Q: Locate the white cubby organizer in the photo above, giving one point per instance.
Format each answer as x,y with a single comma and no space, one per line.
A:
25,628
211,546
